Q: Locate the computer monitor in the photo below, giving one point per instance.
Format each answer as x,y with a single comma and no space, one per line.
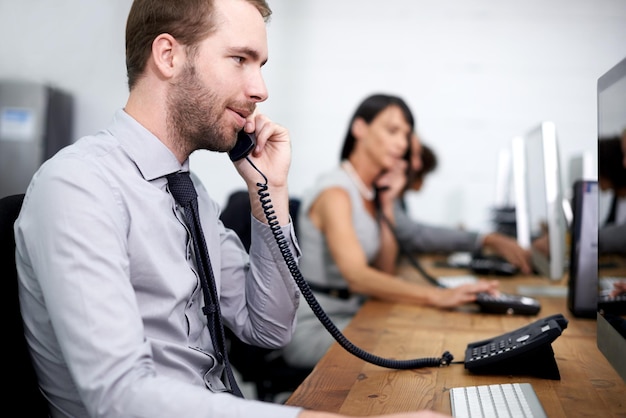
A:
504,181
611,331
503,210
539,201
582,295
581,166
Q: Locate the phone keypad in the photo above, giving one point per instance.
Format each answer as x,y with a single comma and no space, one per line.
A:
494,348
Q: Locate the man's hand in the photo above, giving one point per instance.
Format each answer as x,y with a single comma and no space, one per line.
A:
272,157
272,154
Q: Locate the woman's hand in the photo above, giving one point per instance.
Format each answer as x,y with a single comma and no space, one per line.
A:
391,183
619,288
457,296
510,250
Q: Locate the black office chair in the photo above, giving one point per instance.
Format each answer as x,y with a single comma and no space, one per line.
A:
236,215
265,368
23,393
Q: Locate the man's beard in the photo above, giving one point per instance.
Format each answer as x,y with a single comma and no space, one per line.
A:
193,113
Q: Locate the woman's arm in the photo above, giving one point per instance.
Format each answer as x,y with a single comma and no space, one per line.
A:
332,215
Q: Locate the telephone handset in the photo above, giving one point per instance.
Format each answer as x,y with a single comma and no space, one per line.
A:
244,146
524,351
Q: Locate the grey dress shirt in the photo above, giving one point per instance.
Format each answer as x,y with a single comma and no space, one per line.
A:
109,291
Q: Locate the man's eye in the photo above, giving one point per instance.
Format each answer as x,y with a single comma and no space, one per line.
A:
239,60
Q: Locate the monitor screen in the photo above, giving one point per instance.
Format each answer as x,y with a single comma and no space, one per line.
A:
539,201
611,331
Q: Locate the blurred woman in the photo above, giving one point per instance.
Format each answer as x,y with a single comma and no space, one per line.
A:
349,253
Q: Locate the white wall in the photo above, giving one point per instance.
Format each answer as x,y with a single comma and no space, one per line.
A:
475,72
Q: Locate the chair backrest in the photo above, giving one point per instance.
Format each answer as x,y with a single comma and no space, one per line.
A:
23,393
236,215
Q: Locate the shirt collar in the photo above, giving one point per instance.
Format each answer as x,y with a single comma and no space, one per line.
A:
152,157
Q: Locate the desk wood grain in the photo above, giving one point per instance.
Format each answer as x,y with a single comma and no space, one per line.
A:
346,384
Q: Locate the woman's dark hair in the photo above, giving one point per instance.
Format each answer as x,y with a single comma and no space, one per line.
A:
368,110
610,161
429,164
189,21
429,161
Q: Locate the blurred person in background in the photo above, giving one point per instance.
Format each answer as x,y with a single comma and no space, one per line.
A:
422,237
349,252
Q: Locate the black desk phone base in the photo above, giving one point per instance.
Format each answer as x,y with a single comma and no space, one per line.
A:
481,264
508,304
524,351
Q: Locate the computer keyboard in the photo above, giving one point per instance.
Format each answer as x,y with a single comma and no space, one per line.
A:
492,265
455,281
501,400
482,264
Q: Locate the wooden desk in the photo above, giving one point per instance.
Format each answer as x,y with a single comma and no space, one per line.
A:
346,384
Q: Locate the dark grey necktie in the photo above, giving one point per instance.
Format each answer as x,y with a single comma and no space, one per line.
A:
184,192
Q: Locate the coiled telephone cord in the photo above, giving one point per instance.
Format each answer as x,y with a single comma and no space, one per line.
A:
266,203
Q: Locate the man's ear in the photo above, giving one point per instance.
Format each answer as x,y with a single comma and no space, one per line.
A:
166,54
